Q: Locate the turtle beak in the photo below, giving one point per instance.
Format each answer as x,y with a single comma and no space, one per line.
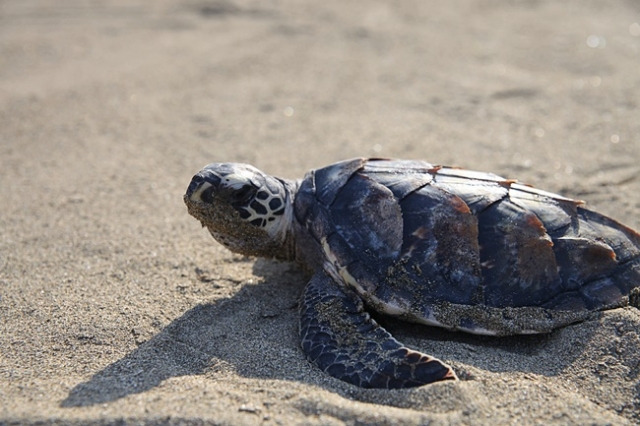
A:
196,183
201,187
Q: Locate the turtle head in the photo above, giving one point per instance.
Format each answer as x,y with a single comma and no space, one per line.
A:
246,210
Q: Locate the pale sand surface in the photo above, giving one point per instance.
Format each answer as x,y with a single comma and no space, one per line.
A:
115,305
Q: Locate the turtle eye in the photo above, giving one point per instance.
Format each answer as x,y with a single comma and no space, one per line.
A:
207,195
244,195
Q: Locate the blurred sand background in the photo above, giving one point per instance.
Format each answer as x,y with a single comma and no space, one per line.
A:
116,306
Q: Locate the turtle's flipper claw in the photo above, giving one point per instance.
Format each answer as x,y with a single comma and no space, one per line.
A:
344,341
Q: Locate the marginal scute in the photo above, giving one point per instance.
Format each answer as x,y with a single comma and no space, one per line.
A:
567,301
386,166
458,174
535,192
477,193
601,293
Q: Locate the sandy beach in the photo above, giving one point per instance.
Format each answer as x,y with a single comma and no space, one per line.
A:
117,307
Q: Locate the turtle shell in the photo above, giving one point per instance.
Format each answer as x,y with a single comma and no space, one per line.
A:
464,250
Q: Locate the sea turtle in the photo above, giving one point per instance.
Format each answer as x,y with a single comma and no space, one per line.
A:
436,245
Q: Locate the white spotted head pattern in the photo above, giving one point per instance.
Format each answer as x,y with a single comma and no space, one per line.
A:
245,209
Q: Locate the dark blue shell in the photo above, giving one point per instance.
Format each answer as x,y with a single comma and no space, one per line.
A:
411,234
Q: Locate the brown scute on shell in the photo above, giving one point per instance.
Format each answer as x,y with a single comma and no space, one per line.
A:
440,242
374,209
624,240
581,258
469,239
329,180
519,255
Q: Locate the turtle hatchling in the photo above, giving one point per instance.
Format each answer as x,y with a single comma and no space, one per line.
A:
434,245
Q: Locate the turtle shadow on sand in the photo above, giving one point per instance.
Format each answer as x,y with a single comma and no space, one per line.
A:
236,333
254,333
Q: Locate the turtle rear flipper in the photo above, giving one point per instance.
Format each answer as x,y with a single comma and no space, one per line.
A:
344,341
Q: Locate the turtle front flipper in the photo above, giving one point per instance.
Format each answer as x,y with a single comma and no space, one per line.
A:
344,341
